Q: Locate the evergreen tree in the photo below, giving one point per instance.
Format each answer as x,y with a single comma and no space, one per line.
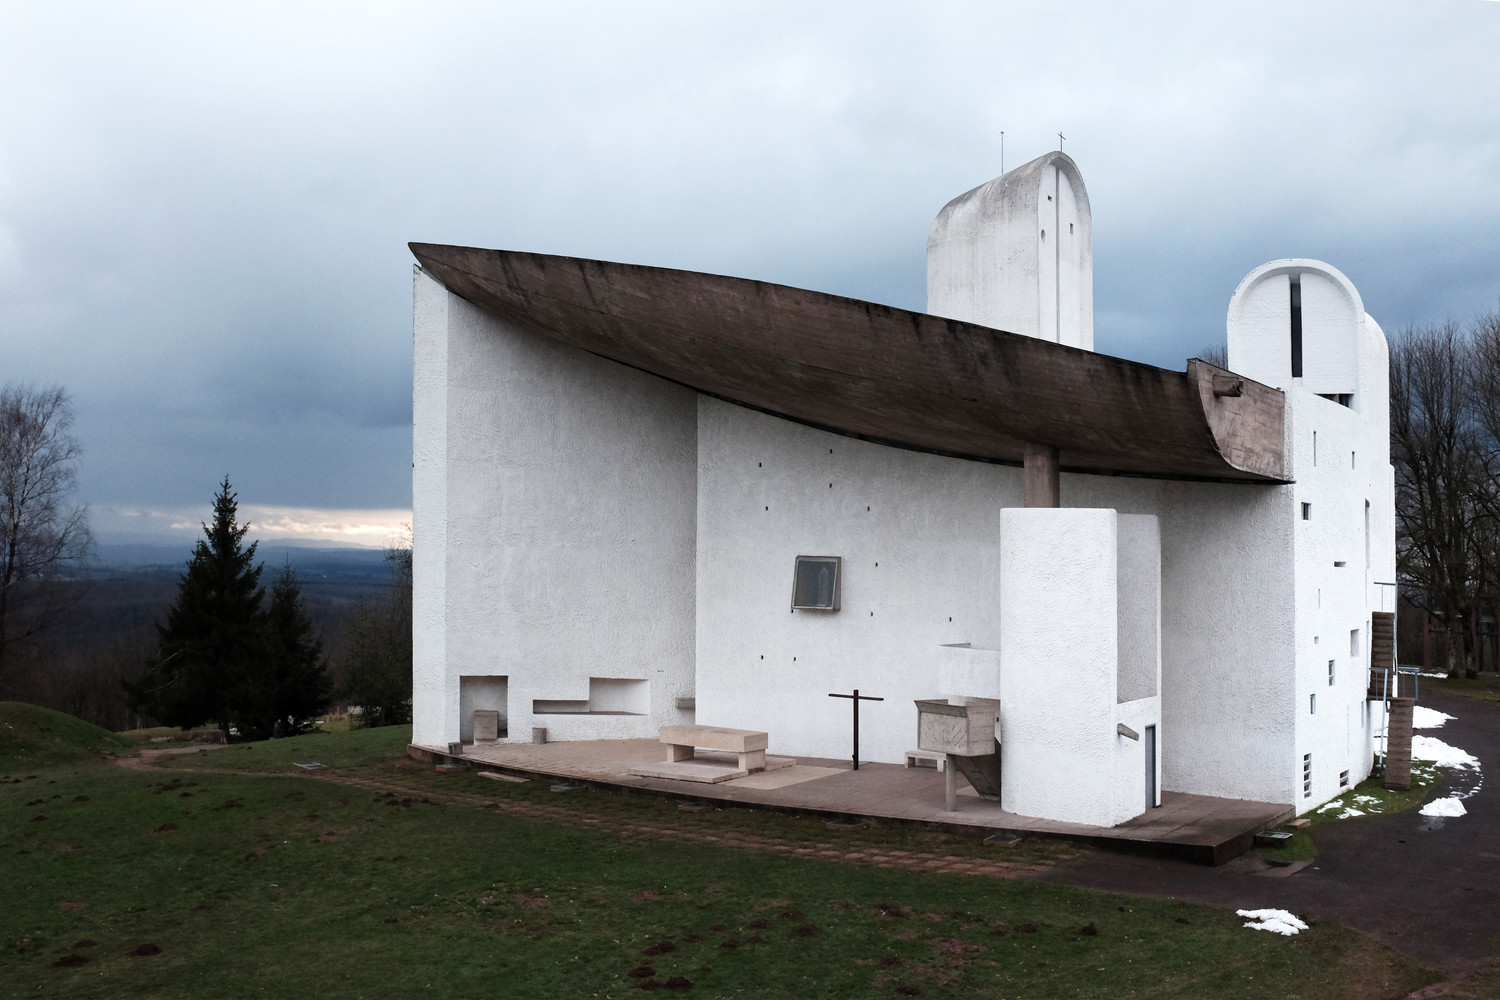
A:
297,673
210,650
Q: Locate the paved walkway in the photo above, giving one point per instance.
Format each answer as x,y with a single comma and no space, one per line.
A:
1197,828
1425,886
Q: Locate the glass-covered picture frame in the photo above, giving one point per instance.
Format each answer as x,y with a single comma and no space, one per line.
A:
815,583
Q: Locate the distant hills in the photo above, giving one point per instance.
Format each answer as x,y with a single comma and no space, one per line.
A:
313,563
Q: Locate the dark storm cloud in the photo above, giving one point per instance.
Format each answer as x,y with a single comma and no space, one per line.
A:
204,208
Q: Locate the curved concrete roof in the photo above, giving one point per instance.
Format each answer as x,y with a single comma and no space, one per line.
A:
902,378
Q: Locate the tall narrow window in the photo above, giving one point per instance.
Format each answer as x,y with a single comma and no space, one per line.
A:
1367,534
1296,327
1330,672
1307,776
1354,643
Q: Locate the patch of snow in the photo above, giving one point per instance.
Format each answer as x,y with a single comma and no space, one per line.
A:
1444,807
1439,676
1350,813
1335,804
1365,799
1433,749
1275,921
1423,717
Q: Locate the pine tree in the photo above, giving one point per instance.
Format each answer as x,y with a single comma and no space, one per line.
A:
210,649
296,670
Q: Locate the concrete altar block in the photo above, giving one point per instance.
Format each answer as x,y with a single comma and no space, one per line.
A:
486,726
748,744
967,730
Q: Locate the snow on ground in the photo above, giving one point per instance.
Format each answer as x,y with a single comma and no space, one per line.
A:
1444,807
1275,921
1465,782
1423,717
1430,748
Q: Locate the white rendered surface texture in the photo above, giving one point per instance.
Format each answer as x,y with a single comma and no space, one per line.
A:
1016,254
1062,756
554,531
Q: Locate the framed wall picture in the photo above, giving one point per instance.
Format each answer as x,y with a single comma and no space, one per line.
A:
815,583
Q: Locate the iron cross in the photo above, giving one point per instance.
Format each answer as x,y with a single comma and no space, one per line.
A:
855,699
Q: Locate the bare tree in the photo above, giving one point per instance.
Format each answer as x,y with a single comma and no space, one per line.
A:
1215,354
43,533
1444,490
377,648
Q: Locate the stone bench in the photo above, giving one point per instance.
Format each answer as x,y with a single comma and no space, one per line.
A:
934,758
747,744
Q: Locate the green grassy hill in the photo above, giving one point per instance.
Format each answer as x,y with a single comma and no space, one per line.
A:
30,734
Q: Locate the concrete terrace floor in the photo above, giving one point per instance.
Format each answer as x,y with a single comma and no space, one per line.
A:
1195,828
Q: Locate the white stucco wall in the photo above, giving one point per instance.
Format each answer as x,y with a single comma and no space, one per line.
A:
554,528
1058,645
1344,543
431,721
919,538
1226,596
1017,254
1139,608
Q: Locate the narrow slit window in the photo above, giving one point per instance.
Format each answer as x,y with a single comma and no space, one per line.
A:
1296,327
1343,779
1307,512
1312,704
1354,643
1307,776
1331,672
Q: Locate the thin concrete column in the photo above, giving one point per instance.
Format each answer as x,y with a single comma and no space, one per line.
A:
1041,476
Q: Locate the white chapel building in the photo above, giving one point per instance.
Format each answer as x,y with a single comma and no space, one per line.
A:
645,497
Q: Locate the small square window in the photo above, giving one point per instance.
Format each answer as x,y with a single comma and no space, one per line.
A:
815,583
1343,779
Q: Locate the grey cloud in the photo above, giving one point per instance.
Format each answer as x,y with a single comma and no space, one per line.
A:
204,209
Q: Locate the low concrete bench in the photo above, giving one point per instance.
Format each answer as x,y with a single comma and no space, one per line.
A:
914,758
748,744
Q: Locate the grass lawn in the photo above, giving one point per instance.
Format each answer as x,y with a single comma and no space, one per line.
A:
233,877
1485,687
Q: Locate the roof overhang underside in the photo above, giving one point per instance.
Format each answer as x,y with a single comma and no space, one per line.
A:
901,378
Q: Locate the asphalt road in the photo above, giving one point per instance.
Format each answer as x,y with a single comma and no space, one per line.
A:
1425,886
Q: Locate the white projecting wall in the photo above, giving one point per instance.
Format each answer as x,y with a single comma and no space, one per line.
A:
555,499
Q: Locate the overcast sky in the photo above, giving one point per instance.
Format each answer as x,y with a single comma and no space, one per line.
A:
204,208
